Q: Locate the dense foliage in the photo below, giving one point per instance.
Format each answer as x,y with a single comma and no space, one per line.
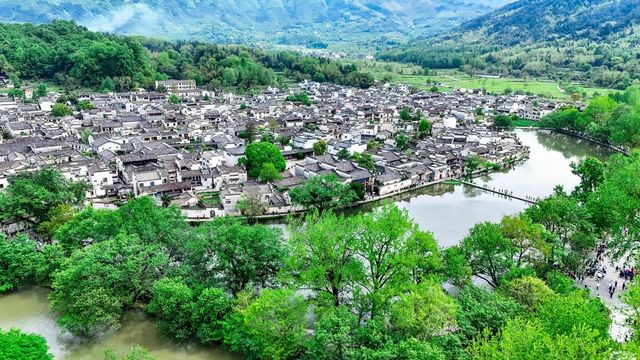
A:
365,286
262,153
612,119
16,345
323,192
73,56
588,41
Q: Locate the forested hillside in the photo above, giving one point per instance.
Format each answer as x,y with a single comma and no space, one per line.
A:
594,42
312,23
73,56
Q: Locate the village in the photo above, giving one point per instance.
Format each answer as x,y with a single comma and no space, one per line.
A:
184,145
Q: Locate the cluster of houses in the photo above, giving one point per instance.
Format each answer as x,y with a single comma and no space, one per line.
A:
188,154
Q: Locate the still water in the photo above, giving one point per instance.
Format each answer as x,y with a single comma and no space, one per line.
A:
29,310
450,211
446,210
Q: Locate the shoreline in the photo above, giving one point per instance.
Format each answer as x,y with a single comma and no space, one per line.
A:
521,157
579,136
266,217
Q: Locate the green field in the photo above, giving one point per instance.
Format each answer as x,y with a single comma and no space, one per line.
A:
210,198
447,80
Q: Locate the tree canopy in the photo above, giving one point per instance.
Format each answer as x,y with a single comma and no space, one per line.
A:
261,153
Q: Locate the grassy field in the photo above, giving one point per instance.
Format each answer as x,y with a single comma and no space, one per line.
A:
449,80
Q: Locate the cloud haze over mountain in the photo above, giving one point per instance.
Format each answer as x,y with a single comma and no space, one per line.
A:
279,21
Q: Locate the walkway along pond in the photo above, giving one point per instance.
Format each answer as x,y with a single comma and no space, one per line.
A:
446,210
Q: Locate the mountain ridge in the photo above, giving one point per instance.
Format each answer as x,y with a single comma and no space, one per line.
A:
593,42
253,21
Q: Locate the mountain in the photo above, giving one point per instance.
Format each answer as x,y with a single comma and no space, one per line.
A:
73,57
594,42
305,22
545,20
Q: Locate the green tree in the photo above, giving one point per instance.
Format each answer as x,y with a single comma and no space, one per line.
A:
631,297
319,147
140,216
424,128
301,98
488,252
250,207
269,173
60,110
402,141
84,136
405,114
17,345
372,144
322,192
527,340
322,257
257,154
334,336
389,247
231,253
15,80
424,311
19,262
343,154
502,122
480,309
591,172
172,303
365,160
16,93
58,216
96,284
31,196
528,291
471,164
624,126
210,311
174,99
573,234
526,239
84,105
41,91
270,327
562,314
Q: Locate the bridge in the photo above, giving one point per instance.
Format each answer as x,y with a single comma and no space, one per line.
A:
504,193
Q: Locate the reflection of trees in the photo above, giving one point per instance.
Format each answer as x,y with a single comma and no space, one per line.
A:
471,192
570,146
434,190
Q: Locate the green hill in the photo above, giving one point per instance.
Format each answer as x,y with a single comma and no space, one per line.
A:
74,57
594,42
313,23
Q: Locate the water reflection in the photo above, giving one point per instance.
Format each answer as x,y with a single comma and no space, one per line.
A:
29,310
450,211
446,210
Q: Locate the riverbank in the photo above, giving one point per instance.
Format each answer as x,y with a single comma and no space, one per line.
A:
578,136
29,310
373,199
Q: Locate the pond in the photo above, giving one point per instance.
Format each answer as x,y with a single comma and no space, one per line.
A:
446,210
29,310
449,211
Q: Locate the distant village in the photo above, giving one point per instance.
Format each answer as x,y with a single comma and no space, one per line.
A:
188,153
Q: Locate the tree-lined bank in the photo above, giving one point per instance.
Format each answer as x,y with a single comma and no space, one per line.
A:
350,284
